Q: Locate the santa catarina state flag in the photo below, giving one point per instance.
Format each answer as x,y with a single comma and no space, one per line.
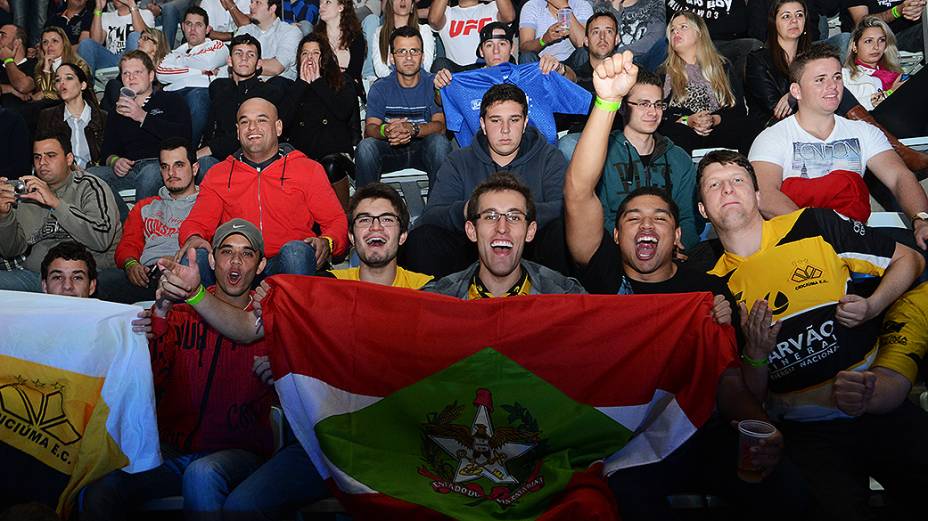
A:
423,406
76,397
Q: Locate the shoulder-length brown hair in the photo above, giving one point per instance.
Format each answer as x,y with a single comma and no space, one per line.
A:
328,65
388,26
780,61
348,24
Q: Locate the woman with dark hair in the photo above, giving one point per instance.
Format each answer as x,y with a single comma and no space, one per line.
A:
339,26
79,116
767,77
54,49
321,113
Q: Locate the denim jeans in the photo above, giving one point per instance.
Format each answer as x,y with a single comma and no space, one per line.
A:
197,99
294,258
207,276
374,157
205,480
283,484
30,15
113,285
99,57
369,26
568,144
144,176
21,280
171,11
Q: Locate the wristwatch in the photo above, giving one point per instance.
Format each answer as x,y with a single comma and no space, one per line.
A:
920,216
415,133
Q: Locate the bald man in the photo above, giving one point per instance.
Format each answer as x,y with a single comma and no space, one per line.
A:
275,187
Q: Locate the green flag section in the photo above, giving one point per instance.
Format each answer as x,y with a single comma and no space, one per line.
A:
420,406
484,438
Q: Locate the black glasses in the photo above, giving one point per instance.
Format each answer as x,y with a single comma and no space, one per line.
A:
407,52
386,220
492,216
659,105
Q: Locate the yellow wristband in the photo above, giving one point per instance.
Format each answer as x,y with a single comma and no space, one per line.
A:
331,243
97,12
608,106
197,297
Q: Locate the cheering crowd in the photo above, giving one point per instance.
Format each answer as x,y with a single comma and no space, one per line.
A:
563,166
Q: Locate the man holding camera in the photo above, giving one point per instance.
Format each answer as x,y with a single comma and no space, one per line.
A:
152,228
53,206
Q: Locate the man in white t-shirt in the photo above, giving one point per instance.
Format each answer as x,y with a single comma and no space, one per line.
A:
459,28
226,16
541,32
815,143
189,69
113,33
279,41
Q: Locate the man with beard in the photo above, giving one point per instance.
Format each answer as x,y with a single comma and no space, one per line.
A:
379,224
152,228
200,376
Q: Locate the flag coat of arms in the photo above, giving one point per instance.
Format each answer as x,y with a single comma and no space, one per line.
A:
76,396
422,405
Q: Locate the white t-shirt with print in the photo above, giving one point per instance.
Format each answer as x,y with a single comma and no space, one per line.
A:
219,18
536,15
849,147
461,32
117,28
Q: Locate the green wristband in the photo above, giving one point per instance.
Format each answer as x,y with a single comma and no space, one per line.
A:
382,133
97,12
888,92
9,60
608,106
895,12
197,297
753,362
541,41
130,263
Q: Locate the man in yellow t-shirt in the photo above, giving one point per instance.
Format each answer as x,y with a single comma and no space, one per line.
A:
378,223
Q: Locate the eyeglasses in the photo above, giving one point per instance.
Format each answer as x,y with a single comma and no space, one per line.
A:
492,216
407,52
659,105
386,220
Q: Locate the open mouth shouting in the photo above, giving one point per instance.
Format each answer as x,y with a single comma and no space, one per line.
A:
375,241
646,245
234,277
501,246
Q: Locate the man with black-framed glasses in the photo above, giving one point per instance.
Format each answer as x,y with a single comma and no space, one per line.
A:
501,221
377,224
405,128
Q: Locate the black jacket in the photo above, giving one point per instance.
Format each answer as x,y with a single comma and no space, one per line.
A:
736,111
52,119
168,116
225,98
764,85
319,121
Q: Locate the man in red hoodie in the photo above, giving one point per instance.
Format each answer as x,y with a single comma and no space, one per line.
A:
213,401
277,188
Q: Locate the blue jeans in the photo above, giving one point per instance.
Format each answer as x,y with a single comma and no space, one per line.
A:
568,144
113,285
207,276
205,162
368,26
30,15
197,99
205,480
99,57
375,156
654,57
144,176
294,258
283,484
21,280
171,11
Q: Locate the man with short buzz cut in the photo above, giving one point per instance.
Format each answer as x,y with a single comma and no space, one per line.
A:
405,127
279,41
151,230
190,68
133,133
500,222
817,159
69,269
795,269
227,94
276,186
616,163
379,222
439,245
550,93
56,204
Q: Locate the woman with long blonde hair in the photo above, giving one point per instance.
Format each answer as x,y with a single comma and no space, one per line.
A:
398,13
872,73
706,108
54,49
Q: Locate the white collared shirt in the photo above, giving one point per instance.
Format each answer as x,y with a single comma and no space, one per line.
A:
79,146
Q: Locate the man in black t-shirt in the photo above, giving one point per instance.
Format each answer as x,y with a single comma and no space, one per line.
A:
75,17
16,83
903,16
